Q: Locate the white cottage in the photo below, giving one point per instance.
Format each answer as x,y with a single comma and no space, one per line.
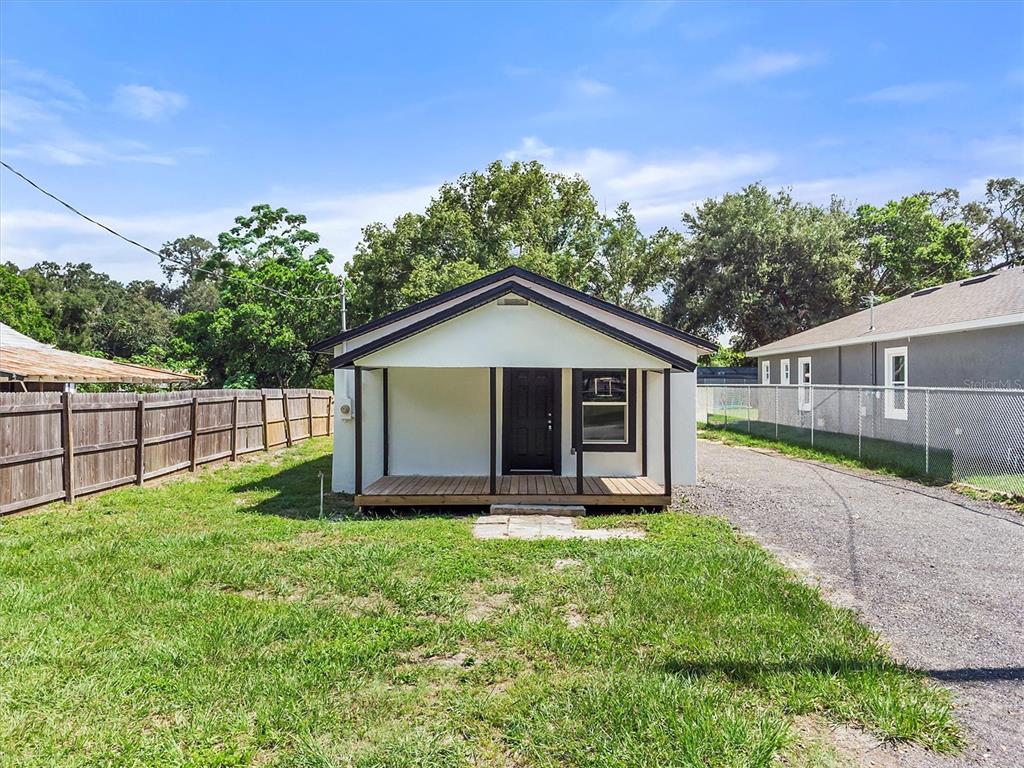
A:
514,388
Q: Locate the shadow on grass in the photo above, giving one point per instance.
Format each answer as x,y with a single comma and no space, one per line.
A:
295,494
748,672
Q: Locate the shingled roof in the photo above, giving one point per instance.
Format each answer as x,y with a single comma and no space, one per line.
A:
22,358
988,301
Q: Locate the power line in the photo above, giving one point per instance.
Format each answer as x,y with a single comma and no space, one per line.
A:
147,249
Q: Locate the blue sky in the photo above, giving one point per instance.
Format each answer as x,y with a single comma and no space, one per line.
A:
166,119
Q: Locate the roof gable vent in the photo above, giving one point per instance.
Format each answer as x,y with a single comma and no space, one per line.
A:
512,301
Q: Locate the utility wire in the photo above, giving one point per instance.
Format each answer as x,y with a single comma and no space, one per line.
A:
147,249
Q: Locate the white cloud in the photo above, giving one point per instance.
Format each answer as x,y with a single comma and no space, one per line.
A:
35,114
751,66
638,16
143,102
32,234
875,187
658,188
339,220
38,81
1006,152
530,148
64,147
911,93
22,113
592,88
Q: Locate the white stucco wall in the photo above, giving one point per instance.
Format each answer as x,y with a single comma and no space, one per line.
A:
440,421
440,425
659,338
527,336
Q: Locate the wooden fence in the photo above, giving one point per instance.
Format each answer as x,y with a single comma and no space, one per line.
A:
57,445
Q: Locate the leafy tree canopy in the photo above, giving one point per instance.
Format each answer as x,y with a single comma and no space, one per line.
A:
276,296
92,314
19,308
762,266
509,214
756,264
996,222
904,245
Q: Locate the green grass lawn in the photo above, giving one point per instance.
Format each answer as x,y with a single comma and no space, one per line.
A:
216,621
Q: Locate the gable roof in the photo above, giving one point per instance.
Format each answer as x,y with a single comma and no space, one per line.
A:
987,301
473,302
500,276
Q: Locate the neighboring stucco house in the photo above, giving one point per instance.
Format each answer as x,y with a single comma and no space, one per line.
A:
514,388
969,333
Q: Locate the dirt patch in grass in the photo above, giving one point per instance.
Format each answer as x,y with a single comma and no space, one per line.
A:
822,744
488,601
575,617
482,605
459,659
564,563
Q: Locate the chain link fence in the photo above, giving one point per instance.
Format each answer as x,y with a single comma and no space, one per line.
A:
974,436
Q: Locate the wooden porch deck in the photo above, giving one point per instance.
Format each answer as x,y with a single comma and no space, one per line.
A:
469,490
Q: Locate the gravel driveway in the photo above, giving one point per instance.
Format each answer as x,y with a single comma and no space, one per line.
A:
940,577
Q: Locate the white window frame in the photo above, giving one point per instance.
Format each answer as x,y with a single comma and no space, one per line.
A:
804,387
784,370
891,411
766,371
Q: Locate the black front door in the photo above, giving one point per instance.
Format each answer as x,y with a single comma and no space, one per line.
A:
531,420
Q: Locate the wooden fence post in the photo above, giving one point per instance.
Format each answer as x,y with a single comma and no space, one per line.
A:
68,438
140,441
287,420
234,428
309,411
266,430
193,426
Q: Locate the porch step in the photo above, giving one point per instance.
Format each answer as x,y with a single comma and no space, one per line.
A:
558,510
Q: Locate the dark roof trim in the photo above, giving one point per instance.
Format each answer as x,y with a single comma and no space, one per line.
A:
615,309
349,357
503,274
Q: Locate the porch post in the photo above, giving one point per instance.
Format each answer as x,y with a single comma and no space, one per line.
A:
384,417
357,415
668,431
577,428
643,422
494,430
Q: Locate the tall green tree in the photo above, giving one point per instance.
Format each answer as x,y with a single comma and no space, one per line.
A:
19,308
997,225
904,246
185,290
92,313
517,213
762,266
277,296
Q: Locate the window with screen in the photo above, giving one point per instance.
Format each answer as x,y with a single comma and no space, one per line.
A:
896,383
606,403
